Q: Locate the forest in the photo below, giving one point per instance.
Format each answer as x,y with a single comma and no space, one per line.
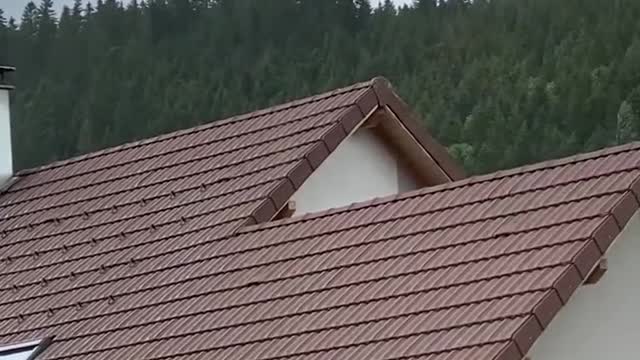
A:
499,82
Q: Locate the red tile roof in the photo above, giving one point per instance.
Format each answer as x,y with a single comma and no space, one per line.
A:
475,269
147,251
87,243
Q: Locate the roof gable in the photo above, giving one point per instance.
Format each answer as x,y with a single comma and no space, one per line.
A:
87,242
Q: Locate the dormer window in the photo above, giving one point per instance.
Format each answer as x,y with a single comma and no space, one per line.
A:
23,351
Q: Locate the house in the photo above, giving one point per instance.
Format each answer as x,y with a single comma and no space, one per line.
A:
331,227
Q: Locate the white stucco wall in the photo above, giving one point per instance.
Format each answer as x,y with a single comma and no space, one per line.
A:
6,160
361,168
601,321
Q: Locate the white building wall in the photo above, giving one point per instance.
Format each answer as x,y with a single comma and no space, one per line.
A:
6,159
601,321
361,168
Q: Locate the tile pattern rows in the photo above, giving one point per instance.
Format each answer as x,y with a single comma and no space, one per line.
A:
81,238
121,257
474,267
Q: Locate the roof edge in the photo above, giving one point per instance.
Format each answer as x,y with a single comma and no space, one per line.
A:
209,124
348,122
387,96
577,272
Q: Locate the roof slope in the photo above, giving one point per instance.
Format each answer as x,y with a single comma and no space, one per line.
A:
471,270
102,243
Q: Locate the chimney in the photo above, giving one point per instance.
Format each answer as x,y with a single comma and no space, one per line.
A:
6,158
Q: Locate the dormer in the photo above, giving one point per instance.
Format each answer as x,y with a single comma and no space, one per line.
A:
387,152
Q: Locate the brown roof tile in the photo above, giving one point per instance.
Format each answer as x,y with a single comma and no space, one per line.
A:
159,249
87,241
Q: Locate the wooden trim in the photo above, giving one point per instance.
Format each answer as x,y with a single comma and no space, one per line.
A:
411,151
388,97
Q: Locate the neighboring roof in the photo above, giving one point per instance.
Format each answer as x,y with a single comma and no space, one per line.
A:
114,248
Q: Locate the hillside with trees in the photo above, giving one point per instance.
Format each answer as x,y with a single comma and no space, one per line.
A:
501,82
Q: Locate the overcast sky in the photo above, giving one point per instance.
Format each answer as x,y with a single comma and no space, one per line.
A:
14,7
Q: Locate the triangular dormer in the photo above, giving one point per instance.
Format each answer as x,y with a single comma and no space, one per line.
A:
386,152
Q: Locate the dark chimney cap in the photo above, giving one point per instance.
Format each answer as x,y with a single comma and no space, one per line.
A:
3,71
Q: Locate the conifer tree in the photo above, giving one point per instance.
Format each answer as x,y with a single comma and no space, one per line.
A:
501,82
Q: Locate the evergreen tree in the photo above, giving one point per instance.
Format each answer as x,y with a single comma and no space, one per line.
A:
501,82
627,123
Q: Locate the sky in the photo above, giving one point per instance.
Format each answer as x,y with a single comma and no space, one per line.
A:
14,7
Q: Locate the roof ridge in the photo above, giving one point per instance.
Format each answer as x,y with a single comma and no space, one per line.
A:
209,125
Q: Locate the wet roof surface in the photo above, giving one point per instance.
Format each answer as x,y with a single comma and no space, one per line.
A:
159,249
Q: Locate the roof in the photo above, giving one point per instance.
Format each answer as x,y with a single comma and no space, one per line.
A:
160,249
475,269
113,250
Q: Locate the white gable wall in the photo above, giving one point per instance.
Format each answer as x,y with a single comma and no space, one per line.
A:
602,320
6,159
360,169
